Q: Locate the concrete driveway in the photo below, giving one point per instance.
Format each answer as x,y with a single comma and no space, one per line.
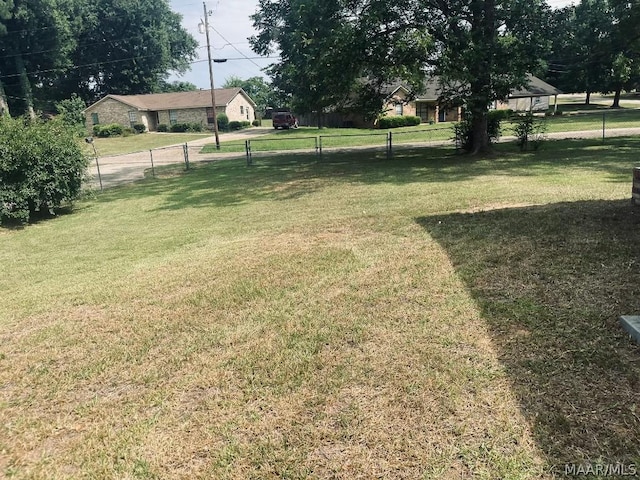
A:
114,170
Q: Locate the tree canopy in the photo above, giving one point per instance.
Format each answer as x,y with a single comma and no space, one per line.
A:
333,51
56,48
596,47
328,47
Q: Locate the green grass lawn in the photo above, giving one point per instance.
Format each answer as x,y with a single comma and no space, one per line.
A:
308,138
427,316
142,142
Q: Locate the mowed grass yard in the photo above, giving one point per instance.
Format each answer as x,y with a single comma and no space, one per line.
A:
428,316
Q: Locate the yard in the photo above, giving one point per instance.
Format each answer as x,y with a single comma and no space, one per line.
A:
428,316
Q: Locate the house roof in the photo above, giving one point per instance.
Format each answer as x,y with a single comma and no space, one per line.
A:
536,88
179,100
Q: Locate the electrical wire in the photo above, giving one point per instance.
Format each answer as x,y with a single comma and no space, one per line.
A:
76,67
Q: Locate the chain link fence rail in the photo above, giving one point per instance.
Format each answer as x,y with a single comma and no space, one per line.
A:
109,171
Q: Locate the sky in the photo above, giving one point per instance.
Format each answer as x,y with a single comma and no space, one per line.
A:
230,27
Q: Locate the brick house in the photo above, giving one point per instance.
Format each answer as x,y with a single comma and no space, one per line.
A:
170,108
398,100
536,96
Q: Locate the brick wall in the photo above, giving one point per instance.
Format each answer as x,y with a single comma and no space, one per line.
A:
109,111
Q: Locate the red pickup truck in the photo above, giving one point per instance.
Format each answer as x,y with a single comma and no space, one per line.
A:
284,120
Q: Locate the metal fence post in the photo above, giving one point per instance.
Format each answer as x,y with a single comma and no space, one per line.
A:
389,145
153,171
99,176
317,147
604,119
320,144
247,147
185,150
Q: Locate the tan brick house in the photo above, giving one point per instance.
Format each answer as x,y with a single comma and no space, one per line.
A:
170,108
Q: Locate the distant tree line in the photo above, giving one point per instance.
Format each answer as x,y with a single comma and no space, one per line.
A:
595,47
53,49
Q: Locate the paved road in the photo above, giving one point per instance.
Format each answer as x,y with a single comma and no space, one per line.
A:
116,170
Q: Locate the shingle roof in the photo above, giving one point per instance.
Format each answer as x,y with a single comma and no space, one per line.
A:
536,88
179,100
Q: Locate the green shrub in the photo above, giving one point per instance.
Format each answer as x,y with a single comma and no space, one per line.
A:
256,123
412,121
223,121
186,127
139,127
530,131
42,166
462,134
179,127
72,112
398,121
163,127
108,130
245,124
385,122
494,122
235,125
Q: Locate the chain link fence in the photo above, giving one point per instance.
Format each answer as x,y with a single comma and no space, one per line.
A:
109,171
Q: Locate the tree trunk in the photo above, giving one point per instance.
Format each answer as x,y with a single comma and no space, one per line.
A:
479,133
25,87
4,106
616,98
483,32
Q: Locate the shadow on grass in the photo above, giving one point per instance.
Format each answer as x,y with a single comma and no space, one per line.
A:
551,282
285,176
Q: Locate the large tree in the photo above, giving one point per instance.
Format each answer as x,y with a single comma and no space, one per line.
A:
37,45
56,48
328,47
579,60
481,49
5,13
596,47
125,47
485,49
625,47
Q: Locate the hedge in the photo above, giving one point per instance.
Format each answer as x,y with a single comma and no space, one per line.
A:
398,121
108,130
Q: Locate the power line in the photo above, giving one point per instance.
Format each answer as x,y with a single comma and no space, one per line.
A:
234,47
75,67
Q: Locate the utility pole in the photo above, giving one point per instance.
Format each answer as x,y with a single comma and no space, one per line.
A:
213,93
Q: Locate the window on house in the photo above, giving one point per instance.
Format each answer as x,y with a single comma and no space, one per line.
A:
210,115
133,118
94,119
173,117
241,110
398,109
